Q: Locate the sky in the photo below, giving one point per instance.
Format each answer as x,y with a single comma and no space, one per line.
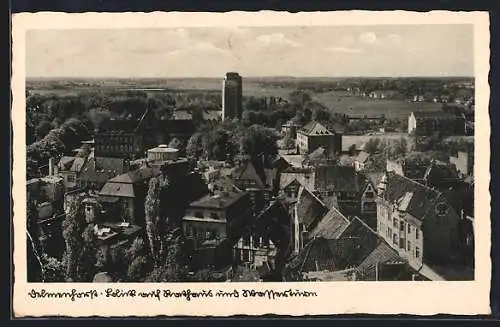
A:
333,51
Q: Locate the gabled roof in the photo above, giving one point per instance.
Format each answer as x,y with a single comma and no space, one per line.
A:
248,172
315,128
309,208
416,198
65,163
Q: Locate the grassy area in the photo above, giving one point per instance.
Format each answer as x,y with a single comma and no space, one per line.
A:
400,109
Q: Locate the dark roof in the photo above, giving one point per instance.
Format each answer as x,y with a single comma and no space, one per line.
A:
136,176
249,172
358,246
339,178
310,209
433,115
411,196
315,128
219,201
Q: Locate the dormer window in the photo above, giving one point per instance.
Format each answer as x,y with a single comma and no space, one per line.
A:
441,209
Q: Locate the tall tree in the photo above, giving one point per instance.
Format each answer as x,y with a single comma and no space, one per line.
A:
153,220
73,227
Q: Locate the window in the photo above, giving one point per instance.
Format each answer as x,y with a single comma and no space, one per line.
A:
198,214
409,246
214,215
417,252
401,226
369,195
71,178
395,239
417,234
395,222
409,229
441,209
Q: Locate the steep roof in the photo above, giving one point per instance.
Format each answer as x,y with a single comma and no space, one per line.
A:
411,196
309,208
315,128
249,172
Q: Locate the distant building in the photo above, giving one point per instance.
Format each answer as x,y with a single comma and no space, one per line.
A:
127,137
418,222
427,123
315,135
232,96
290,129
162,153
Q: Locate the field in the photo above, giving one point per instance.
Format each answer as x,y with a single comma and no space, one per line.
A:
401,109
336,101
360,140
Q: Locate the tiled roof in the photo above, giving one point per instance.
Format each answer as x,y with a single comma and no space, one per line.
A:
315,128
419,199
331,226
101,169
222,200
309,208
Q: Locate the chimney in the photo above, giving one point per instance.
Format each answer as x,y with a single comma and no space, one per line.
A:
52,171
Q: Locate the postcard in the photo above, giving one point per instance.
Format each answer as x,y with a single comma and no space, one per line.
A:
219,164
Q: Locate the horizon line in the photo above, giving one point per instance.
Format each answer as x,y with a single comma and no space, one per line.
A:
249,76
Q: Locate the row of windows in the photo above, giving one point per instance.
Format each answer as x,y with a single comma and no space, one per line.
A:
116,148
212,215
409,227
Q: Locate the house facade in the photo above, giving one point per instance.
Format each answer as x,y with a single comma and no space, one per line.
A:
315,135
416,220
213,217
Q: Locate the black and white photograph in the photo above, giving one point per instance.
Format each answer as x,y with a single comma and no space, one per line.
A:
251,154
